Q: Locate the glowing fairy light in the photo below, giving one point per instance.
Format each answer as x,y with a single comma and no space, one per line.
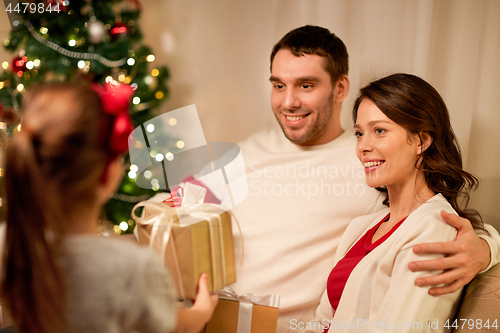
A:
159,157
123,226
155,185
117,230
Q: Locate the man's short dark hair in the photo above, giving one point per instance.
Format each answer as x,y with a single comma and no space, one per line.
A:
311,39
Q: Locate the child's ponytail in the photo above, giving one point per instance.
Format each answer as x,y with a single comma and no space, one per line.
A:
32,282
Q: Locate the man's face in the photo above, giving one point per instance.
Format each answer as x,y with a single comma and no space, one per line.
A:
303,98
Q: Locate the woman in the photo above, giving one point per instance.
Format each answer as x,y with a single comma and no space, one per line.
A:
408,150
57,274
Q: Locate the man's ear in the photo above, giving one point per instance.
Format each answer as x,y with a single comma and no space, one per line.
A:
342,88
425,142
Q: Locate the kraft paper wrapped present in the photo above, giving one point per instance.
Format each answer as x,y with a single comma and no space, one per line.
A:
244,314
192,239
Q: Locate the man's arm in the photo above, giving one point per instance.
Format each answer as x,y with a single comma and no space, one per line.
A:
466,256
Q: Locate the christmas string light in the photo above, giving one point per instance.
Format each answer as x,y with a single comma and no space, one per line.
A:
73,54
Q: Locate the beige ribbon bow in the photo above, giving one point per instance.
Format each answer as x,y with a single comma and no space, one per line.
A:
246,305
192,210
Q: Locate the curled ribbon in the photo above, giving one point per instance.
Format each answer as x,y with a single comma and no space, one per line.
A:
115,100
246,305
175,199
162,218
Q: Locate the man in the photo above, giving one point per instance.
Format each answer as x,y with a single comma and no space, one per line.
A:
306,186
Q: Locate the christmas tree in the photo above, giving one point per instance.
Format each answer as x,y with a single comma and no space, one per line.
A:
99,41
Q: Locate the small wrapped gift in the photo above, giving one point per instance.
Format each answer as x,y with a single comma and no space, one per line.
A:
244,313
192,239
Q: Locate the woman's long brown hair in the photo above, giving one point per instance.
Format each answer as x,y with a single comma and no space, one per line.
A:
415,105
52,167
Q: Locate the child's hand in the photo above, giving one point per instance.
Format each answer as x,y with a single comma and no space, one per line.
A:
194,319
204,304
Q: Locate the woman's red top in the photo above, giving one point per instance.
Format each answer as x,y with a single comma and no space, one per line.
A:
340,273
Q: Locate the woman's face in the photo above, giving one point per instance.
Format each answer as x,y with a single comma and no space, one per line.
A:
387,152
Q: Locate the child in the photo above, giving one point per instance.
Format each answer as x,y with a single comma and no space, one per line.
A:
58,276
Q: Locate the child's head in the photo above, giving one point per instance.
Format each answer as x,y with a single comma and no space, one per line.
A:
59,144
55,170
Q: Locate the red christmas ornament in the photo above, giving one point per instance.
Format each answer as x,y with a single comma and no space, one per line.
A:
18,64
118,30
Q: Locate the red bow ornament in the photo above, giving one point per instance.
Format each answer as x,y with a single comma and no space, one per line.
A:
115,99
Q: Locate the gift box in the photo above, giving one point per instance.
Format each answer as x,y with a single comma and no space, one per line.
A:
244,314
203,244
